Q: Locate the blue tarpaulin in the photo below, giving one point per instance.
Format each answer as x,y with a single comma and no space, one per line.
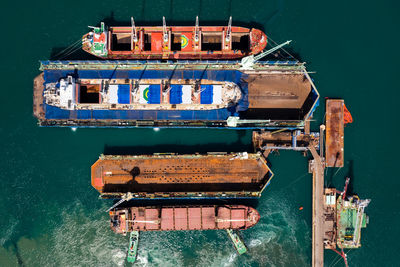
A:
206,95
53,76
123,94
154,94
175,94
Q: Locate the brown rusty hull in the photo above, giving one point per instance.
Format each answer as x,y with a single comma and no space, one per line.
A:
176,218
180,175
334,133
38,87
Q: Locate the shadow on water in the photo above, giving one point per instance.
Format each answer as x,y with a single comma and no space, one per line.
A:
338,181
17,254
112,21
252,202
350,174
237,146
74,51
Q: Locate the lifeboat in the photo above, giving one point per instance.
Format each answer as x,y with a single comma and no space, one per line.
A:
173,42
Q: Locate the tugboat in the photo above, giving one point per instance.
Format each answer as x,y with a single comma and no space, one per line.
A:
237,241
133,246
174,42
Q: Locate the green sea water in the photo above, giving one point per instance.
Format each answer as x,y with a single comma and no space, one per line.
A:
50,214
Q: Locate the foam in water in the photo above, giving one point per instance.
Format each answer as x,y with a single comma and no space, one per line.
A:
83,238
9,231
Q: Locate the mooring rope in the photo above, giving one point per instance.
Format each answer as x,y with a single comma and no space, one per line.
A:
72,46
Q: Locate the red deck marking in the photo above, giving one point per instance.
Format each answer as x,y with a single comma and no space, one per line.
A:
156,42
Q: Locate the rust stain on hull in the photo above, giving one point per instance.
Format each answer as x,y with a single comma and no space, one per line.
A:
180,173
38,87
280,91
334,133
183,218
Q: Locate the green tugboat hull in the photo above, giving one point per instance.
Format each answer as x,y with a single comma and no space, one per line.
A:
237,241
133,246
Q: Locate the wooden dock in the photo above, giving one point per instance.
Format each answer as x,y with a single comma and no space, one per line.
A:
334,133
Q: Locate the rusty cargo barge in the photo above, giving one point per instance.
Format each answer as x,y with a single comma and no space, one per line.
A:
179,218
174,94
235,175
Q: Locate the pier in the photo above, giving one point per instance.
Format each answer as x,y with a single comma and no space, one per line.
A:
324,227
317,168
323,214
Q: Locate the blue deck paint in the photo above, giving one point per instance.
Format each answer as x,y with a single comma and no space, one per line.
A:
154,94
206,95
124,94
175,94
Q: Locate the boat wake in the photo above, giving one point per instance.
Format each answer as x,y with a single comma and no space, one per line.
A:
83,238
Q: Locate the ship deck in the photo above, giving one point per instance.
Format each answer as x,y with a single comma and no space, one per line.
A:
277,96
191,218
272,96
190,173
334,133
38,87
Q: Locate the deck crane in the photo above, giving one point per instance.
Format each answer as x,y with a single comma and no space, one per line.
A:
345,188
134,33
165,32
248,62
125,197
343,195
229,30
196,30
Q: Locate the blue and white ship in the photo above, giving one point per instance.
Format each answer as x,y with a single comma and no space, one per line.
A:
163,94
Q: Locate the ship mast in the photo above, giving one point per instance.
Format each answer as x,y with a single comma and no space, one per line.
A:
134,33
